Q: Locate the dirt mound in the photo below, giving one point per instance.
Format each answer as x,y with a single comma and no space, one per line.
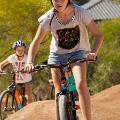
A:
105,106
41,110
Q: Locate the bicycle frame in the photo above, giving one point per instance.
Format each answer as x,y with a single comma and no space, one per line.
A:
68,89
13,98
66,96
68,78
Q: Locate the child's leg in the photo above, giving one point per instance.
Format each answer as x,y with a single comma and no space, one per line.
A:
28,91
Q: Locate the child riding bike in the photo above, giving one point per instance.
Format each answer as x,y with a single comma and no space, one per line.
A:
18,61
67,23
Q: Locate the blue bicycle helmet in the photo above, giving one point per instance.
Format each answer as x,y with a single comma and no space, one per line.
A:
18,44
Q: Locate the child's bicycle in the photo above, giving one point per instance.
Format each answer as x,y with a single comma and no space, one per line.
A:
13,98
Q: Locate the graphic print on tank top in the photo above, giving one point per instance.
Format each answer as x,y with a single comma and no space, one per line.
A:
17,67
68,38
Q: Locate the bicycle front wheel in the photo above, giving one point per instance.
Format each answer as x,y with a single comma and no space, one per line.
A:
7,104
65,109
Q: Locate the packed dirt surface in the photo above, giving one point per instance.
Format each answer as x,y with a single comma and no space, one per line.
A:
105,106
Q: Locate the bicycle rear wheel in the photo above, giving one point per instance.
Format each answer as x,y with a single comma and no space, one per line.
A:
65,108
7,104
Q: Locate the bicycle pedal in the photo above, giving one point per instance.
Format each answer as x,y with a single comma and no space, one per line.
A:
77,107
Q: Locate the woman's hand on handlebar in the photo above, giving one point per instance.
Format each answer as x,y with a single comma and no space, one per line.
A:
29,67
91,56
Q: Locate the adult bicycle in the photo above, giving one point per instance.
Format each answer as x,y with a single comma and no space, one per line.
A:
65,100
13,98
66,108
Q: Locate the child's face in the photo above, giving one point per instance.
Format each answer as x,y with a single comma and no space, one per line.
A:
20,51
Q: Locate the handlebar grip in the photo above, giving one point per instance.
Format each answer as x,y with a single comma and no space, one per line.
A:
37,67
93,60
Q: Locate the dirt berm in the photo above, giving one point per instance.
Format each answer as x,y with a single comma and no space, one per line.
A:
105,106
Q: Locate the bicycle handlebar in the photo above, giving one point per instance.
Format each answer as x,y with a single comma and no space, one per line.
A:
43,66
36,68
40,67
70,62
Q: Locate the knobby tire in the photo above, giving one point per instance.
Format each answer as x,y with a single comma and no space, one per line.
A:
7,104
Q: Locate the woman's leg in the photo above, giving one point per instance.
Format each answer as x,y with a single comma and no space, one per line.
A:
79,72
56,81
55,72
28,92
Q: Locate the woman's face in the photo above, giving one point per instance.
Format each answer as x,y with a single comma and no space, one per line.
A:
20,51
60,5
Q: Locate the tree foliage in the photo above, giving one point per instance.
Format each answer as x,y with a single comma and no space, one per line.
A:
117,1
19,18
106,72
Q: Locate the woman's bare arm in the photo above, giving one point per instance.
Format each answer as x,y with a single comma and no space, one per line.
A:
92,27
34,46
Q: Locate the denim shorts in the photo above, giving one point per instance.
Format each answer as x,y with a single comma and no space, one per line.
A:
55,58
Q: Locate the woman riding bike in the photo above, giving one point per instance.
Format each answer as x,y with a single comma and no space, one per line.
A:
68,25
18,61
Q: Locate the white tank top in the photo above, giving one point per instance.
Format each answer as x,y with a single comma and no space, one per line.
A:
19,65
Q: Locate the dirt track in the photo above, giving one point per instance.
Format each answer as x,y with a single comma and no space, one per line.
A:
105,106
